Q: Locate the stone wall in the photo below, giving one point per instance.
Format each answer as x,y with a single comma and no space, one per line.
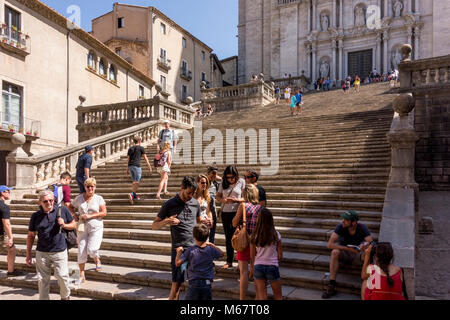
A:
432,123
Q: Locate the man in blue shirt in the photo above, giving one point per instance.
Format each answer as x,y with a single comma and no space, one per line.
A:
51,246
84,168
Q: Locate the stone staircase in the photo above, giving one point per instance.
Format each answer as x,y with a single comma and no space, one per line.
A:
333,158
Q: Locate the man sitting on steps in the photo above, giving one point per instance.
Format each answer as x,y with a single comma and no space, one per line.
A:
348,243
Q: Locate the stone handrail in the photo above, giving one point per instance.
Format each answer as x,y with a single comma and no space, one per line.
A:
38,172
425,73
102,119
252,94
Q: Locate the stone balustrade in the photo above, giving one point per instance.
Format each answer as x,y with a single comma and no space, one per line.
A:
284,2
238,97
31,173
295,83
98,120
425,73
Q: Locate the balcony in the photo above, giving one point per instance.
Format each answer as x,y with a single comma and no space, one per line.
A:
28,127
14,40
286,2
164,64
186,74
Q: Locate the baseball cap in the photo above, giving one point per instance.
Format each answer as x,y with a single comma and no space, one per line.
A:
254,173
4,188
88,148
350,215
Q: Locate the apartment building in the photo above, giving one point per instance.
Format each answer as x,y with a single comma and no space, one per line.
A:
46,68
157,45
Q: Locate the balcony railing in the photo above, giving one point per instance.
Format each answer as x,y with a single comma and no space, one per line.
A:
29,127
164,63
186,74
283,2
14,40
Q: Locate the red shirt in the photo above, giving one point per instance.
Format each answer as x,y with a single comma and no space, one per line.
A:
383,291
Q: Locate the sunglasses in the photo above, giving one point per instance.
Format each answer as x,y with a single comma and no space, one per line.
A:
203,182
48,201
249,177
231,177
88,187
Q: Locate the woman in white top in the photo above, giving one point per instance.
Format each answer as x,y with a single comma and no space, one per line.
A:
203,197
91,211
164,170
230,195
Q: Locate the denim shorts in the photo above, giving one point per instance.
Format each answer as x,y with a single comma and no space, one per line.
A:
199,290
263,272
136,173
178,273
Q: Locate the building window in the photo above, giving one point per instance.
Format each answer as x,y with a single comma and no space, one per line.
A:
92,61
119,51
163,55
13,23
102,68
11,106
163,84
112,74
120,23
184,67
163,28
183,42
203,76
141,92
203,55
183,92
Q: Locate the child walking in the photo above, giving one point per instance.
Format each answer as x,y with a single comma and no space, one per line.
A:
293,100
265,254
200,264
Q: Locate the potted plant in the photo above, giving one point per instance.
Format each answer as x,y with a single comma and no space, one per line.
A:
11,128
28,132
35,133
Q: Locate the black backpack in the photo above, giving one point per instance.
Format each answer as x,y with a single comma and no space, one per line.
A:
70,235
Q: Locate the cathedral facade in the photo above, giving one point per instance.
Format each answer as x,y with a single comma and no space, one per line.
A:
337,38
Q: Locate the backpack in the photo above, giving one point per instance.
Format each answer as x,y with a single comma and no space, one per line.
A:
70,235
159,160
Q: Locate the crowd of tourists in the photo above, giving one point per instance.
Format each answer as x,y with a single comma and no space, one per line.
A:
238,203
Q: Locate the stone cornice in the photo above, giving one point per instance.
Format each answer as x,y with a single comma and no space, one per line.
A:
52,15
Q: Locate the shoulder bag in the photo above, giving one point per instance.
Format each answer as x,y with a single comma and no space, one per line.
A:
241,240
70,235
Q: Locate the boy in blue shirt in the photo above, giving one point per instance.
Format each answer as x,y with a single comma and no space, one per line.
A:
298,99
200,264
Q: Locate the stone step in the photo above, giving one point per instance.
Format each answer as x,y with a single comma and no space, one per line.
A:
164,235
148,213
279,222
124,283
272,196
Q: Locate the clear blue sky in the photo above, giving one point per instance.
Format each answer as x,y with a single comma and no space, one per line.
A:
212,21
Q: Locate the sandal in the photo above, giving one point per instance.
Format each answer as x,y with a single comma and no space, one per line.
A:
98,267
158,197
227,266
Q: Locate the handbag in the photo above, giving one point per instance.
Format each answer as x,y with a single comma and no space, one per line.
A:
70,235
241,240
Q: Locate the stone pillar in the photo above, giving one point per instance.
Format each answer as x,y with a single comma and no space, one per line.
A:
385,54
341,49
409,6
417,43
309,16
21,175
333,18
333,65
341,14
387,13
402,139
378,54
409,31
314,24
314,63
417,9
308,62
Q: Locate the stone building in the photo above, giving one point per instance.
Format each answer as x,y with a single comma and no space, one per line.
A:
46,65
336,38
231,70
154,43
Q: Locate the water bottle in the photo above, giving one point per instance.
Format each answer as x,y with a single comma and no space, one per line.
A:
325,281
74,277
